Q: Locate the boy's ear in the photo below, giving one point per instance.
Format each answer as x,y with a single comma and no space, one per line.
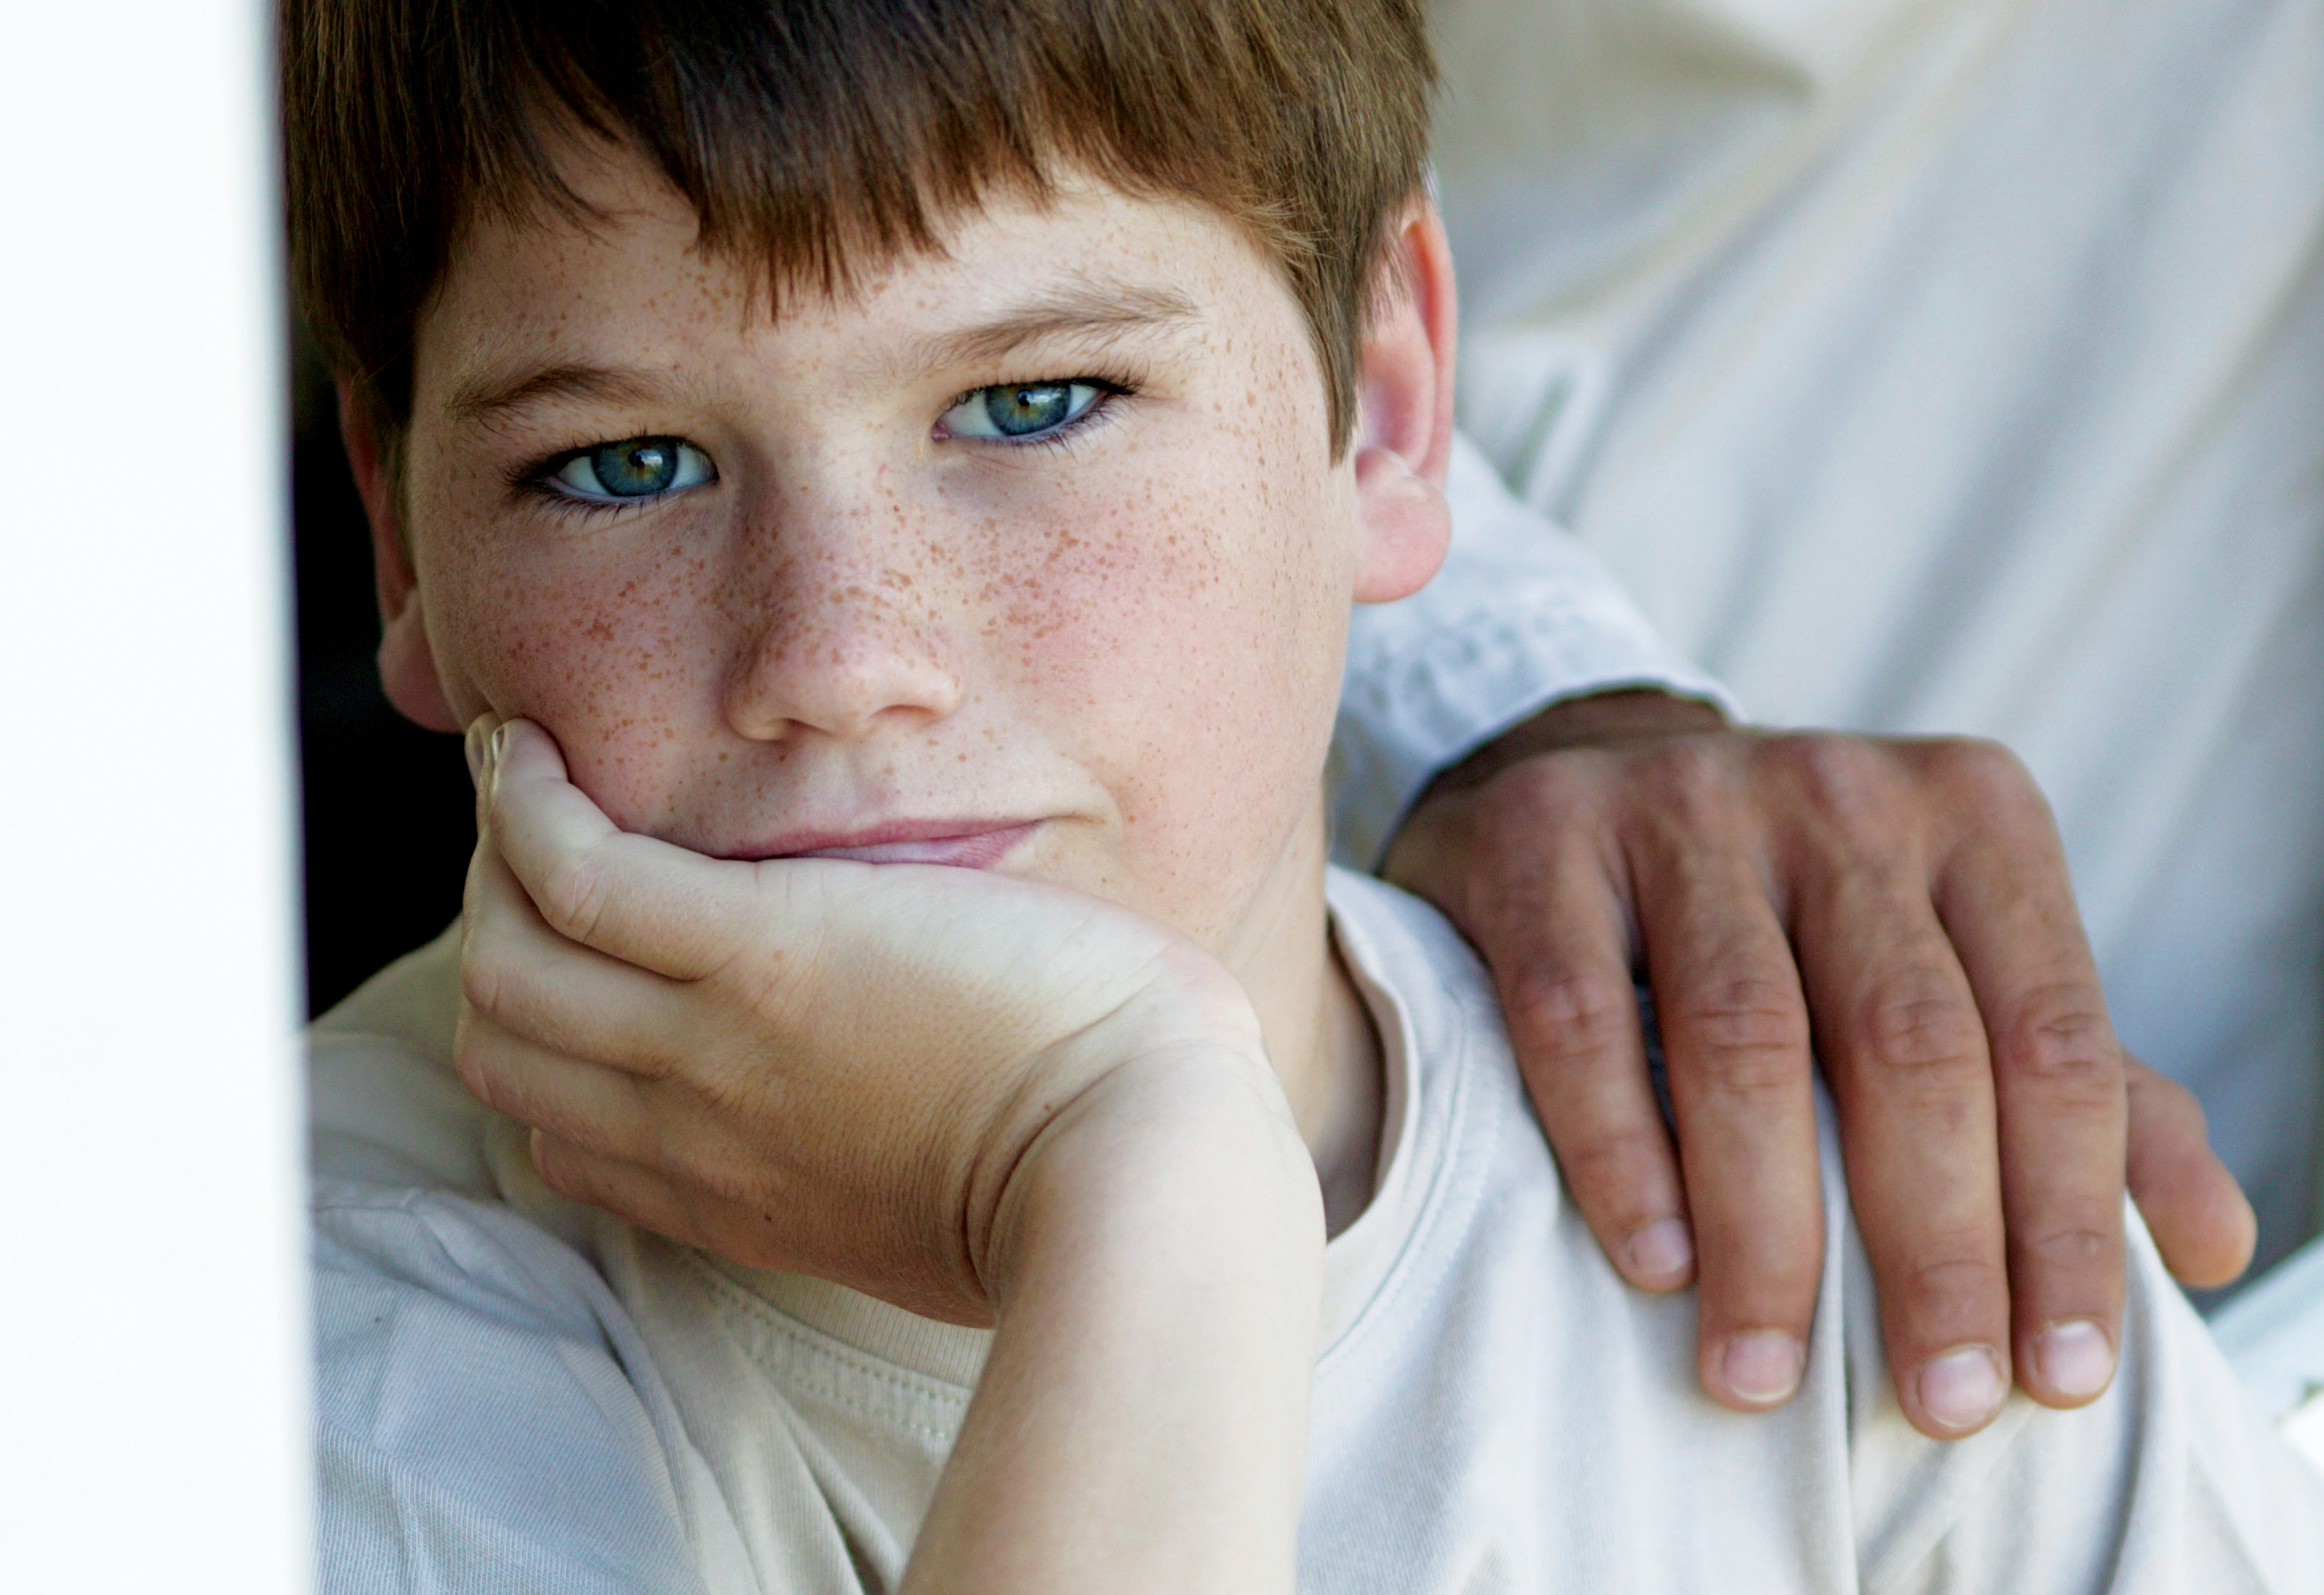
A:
407,663
1404,417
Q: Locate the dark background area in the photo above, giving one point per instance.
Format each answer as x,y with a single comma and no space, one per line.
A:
389,824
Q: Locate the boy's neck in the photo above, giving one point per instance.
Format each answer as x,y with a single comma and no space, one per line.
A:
1318,1031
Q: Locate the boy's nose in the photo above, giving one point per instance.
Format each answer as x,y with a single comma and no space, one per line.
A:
845,656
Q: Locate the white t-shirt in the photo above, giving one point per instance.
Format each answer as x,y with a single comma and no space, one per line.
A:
1957,367
519,1394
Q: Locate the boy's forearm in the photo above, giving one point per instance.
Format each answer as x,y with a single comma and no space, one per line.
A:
1141,1420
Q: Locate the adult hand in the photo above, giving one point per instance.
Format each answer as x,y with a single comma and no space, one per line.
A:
710,1048
1906,904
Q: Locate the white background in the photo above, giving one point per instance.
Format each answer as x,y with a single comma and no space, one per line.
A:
152,1313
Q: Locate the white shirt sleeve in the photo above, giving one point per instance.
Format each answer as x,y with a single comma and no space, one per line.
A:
1520,617
2172,1481
479,1428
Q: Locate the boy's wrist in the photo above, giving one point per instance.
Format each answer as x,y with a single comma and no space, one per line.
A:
1187,1161
1156,1270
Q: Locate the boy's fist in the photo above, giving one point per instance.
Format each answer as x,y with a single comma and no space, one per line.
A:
859,1072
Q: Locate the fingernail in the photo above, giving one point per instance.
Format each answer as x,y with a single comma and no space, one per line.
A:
1961,1388
1661,1250
2075,1357
496,749
1762,1366
473,745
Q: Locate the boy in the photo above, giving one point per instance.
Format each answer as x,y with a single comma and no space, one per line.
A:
1003,514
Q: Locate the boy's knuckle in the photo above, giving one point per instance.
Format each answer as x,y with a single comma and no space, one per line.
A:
484,978
573,895
474,1060
569,1176
755,980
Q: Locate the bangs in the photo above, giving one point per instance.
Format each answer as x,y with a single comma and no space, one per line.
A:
819,139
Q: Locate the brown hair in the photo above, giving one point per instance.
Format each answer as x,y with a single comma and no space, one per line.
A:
816,137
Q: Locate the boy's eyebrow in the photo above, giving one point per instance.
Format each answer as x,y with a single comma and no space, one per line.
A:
1093,308
491,394
1084,308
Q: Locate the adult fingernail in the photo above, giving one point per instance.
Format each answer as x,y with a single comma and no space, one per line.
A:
1762,1366
1661,1250
473,745
1961,1388
2074,1359
496,749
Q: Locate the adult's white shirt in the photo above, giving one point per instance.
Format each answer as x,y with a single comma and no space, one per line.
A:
1955,367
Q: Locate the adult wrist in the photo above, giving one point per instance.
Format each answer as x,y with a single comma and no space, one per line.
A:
1597,719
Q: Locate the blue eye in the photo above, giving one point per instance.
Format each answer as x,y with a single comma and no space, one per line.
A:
634,468
1018,411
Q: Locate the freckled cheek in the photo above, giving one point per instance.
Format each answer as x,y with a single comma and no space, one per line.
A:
1084,620
1180,652
614,665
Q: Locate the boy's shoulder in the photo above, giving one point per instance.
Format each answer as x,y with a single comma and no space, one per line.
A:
459,1342
385,1104
1416,974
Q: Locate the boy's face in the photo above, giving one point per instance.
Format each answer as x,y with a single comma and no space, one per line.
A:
1031,556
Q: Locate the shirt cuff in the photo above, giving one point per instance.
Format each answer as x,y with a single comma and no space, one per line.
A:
1522,617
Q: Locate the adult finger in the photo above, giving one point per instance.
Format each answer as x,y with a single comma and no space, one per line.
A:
2008,906
637,898
2198,1215
1550,923
1735,1035
1900,1041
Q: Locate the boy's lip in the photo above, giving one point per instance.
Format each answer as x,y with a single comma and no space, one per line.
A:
966,844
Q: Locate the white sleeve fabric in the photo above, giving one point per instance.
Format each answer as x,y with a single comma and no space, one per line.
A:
2172,1481
487,1420
478,1428
1521,617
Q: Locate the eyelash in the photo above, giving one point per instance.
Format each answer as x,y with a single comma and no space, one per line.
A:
534,479
1109,389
